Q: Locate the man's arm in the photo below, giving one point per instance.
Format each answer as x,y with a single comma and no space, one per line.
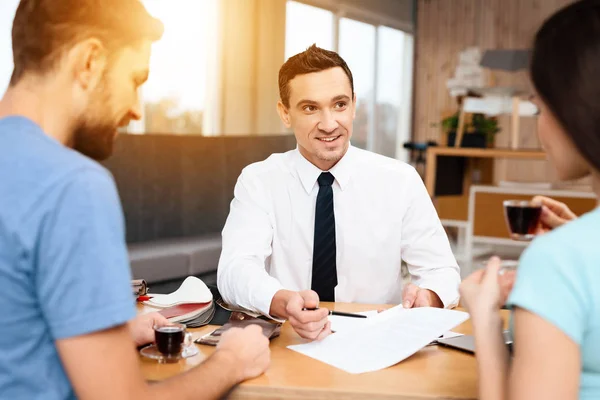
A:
91,361
247,242
242,278
426,249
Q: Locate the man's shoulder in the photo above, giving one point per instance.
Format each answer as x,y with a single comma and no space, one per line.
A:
49,174
277,164
43,158
373,163
74,172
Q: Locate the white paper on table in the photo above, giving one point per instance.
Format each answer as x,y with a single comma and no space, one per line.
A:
339,323
384,339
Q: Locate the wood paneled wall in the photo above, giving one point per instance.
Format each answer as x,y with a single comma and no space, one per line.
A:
447,27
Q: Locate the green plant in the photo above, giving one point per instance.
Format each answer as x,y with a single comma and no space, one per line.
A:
450,124
479,124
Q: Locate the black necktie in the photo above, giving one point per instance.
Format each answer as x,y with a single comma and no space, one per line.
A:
324,273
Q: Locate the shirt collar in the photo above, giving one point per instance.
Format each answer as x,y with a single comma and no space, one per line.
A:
309,173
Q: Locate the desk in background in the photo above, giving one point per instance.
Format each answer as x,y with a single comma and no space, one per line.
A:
471,153
478,212
432,373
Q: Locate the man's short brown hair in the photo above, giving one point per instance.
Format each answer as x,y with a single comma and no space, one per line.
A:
43,29
313,59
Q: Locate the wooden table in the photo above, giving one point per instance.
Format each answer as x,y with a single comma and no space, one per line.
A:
432,373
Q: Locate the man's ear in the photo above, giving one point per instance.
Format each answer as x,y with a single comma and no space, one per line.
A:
354,106
88,61
284,114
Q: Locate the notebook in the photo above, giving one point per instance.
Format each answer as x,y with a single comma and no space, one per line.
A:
182,312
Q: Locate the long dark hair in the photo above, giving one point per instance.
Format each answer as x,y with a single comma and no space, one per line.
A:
565,70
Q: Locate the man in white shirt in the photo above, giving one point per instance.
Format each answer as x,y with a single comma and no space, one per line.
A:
330,217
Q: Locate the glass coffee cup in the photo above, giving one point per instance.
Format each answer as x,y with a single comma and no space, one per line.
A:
522,218
171,339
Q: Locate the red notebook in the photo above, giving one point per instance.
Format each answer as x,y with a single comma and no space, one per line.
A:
181,310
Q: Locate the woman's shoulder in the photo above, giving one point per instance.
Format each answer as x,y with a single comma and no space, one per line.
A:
580,235
571,251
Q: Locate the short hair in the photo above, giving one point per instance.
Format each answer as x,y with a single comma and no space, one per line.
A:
43,29
564,72
313,59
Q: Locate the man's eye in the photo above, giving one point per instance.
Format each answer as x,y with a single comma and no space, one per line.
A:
309,108
340,104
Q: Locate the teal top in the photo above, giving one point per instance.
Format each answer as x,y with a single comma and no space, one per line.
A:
559,280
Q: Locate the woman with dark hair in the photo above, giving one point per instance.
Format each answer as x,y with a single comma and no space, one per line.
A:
556,296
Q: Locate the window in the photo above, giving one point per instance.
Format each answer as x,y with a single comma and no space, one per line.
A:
380,58
7,13
393,90
182,66
299,34
357,48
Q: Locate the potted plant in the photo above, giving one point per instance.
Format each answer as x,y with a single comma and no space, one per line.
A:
479,132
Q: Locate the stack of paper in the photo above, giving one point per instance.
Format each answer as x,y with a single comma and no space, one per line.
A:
191,304
382,340
340,323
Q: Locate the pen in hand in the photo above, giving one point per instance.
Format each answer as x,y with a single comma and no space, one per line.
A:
338,313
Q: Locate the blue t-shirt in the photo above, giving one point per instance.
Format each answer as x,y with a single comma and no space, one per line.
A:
64,268
559,280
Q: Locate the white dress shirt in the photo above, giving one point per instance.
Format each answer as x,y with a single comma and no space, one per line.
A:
383,215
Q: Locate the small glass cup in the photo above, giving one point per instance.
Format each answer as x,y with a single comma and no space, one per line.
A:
522,218
171,339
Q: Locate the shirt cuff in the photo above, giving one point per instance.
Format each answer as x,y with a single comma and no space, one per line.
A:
264,296
448,294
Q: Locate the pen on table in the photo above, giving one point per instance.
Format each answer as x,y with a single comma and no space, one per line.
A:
338,313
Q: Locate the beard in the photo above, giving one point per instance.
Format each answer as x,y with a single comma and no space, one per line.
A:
94,133
94,139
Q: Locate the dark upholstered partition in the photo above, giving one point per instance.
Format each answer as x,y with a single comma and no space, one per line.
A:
181,185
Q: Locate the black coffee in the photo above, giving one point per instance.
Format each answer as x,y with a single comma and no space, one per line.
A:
169,339
522,220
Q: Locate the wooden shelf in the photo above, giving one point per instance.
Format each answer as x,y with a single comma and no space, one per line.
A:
485,153
471,153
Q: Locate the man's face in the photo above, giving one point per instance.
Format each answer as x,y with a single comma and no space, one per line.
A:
113,103
321,112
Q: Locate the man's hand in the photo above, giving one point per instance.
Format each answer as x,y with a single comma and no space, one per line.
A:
249,349
554,214
292,306
141,327
414,296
